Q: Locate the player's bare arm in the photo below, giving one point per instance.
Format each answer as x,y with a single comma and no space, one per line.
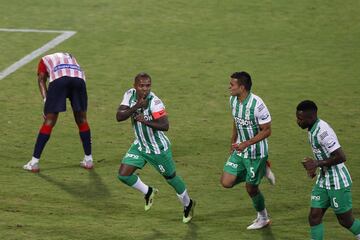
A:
336,157
161,124
124,112
265,132
42,77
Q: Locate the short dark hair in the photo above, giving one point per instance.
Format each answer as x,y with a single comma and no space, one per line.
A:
142,75
243,78
307,106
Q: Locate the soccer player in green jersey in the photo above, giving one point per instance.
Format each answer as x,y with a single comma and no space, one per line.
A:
149,120
333,184
249,147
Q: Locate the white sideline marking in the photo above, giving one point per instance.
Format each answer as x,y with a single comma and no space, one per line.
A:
28,58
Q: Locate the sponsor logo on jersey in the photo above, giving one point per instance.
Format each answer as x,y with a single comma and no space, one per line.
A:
243,122
261,107
324,135
331,144
265,116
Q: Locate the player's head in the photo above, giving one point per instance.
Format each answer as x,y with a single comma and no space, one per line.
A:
240,83
306,114
142,84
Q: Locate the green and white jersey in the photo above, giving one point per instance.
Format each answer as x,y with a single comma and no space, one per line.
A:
323,142
248,116
148,139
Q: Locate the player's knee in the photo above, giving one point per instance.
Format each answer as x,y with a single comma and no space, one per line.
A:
346,223
252,190
314,219
170,177
226,184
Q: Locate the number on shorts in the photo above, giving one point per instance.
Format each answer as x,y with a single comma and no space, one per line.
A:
161,168
335,203
252,172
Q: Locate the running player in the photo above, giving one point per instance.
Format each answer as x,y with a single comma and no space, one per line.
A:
66,80
149,120
249,149
333,184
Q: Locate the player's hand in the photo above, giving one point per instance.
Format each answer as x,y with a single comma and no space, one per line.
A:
140,118
310,166
239,147
142,102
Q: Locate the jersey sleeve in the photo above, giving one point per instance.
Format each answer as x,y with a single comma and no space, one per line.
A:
42,67
262,113
328,140
157,108
126,98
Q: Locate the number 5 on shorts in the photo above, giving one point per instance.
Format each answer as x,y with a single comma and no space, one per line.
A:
161,168
252,172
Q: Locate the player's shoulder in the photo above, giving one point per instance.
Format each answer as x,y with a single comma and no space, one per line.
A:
130,92
258,99
325,130
154,98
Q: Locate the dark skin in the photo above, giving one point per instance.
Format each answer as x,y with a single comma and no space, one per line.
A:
143,88
305,120
228,180
51,118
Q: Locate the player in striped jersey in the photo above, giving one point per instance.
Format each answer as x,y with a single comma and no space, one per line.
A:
249,149
333,184
149,121
66,80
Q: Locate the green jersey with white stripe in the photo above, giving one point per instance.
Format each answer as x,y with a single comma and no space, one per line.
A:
147,139
323,142
248,116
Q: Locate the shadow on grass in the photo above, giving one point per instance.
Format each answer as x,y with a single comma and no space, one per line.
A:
192,231
267,234
95,189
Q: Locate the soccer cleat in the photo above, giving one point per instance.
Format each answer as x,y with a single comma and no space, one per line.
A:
269,174
149,198
32,167
189,211
258,223
87,164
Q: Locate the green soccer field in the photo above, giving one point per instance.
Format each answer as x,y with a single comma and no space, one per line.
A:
294,50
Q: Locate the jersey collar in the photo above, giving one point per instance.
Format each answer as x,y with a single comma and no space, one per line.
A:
246,100
315,125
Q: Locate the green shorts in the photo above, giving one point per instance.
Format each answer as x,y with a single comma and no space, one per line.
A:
339,200
247,170
162,162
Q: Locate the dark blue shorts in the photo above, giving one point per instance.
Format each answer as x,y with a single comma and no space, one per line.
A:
66,87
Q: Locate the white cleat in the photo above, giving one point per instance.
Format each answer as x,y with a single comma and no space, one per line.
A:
258,223
269,174
87,164
32,167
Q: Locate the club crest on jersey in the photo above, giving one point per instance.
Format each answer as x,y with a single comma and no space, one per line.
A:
247,113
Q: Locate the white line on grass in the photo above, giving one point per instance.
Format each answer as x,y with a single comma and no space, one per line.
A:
59,39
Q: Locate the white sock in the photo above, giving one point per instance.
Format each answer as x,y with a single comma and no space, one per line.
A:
88,158
34,160
184,198
357,236
142,187
263,214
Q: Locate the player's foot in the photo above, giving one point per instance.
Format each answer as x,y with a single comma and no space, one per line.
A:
87,163
32,166
149,198
258,223
269,174
189,211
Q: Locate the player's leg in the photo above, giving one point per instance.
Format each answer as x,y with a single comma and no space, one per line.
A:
269,173
132,161
233,172
255,170
341,203
85,136
42,138
78,97
315,221
165,165
320,202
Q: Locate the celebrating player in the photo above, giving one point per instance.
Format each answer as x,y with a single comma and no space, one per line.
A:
333,184
149,120
249,147
66,80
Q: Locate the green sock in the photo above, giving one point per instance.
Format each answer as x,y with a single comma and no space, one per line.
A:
317,232
178,184
355,228
259,202
128,180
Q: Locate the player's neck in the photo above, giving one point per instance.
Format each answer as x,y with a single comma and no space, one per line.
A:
242,97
